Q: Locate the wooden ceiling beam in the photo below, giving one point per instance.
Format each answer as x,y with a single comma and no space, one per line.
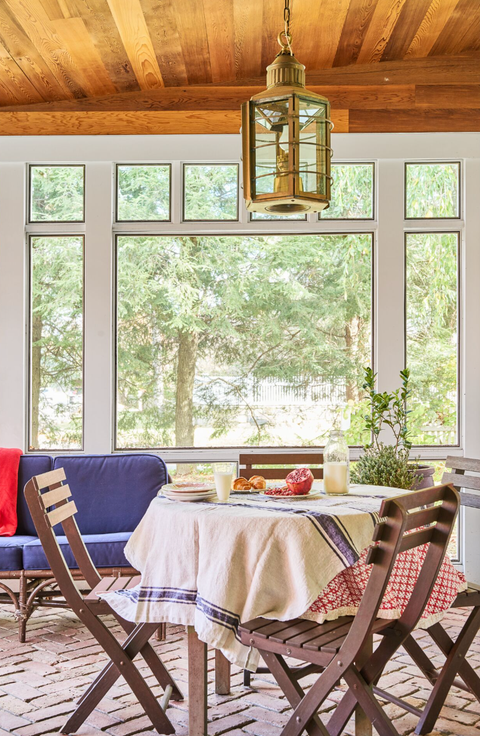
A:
221,98
383,85
459,69
413,119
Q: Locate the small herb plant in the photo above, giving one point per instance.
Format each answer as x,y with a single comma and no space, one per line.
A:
386,465
383,466
388,409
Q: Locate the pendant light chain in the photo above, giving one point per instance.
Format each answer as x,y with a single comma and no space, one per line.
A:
286,18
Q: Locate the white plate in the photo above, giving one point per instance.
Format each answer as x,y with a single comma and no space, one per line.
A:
189,496
314,493
190,488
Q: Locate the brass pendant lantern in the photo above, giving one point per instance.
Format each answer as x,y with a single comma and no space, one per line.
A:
286,140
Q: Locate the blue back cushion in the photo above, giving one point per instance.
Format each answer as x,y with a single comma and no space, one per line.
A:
30,465
111,492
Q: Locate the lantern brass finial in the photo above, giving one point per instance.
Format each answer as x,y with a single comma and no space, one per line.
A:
285,71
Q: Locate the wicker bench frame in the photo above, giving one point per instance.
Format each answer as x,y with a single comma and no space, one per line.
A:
39,588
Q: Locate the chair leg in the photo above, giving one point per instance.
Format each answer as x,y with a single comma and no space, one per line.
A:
454,664
156,665
133,644
22,609
415,652
110,673
292,689
369,704
247,676
445,643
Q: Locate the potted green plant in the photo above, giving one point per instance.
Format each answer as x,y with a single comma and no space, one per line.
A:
389,465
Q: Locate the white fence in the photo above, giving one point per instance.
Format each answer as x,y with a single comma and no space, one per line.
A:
235,391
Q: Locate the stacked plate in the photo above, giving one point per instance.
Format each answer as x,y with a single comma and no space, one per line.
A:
188,491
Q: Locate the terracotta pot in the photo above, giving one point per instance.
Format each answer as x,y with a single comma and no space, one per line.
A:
424,475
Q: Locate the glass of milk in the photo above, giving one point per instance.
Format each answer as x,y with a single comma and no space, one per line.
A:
336,470
223,475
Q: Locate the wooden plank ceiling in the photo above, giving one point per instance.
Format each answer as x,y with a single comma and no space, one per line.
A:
185,66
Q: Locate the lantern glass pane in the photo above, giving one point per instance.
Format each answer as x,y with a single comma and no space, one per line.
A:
313,137
271,147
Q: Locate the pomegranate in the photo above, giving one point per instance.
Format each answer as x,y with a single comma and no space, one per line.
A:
299,481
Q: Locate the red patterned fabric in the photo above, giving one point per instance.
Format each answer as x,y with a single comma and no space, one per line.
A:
343,594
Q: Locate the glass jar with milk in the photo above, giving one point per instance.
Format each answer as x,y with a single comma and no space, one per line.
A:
336,465
223,476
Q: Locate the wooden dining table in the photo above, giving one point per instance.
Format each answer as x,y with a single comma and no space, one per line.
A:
210,565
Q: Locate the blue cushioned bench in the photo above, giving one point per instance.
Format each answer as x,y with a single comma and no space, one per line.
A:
122,487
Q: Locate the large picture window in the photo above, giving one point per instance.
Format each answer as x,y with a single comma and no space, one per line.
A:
56,343
241,340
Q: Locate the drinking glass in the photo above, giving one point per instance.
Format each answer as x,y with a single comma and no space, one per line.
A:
223,475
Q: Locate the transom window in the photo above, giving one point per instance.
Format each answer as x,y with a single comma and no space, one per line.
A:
57,193
432,190
210,192
352,192
143,193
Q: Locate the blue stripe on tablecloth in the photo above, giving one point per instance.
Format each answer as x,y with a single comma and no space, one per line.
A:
216,614
159,595
333,534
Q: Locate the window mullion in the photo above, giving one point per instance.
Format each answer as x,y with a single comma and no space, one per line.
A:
470,341
389,312
98,349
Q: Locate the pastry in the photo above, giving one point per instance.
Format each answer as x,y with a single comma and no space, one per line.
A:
241,484
258,482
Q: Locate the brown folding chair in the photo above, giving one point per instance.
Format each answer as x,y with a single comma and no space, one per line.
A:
53,507
456,670
247,460
246,469
340,649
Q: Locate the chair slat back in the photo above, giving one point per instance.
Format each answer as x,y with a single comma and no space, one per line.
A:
461,479
50,498
58,496
51,478
472,482
248,460
463,463
62,513
397,532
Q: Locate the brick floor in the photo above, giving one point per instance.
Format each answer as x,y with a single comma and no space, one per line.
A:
40,680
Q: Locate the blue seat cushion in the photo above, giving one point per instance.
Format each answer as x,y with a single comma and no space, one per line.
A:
11,551
30,465
111,492
106,550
